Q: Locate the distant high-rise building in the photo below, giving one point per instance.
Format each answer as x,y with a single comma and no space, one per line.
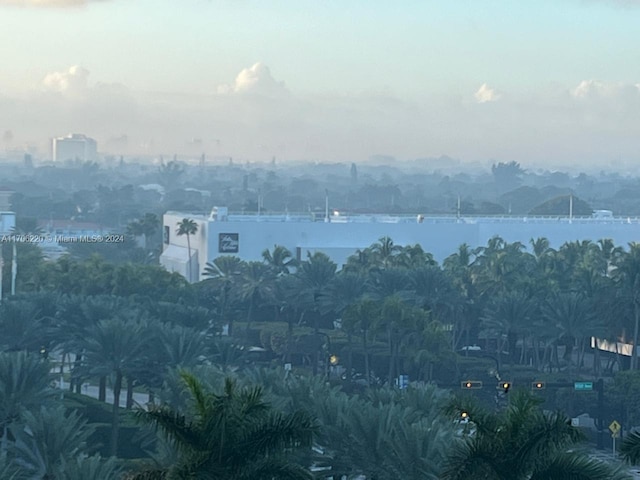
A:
74,146
5,199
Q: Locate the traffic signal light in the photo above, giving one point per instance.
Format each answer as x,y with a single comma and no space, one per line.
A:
505,386
471,384
537,386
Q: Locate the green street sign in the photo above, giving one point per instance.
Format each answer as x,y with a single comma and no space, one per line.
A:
583,386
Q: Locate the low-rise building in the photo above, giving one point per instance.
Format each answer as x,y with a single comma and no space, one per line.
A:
340,236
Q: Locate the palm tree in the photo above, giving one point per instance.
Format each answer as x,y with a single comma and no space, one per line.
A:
48,440
76,315
257,286
412,256
315,275
520,443
224,273
187,227
150,224
507,317
341,292
385,252
609,254
361,317
573,317
540,246
113,347
135,229
360,262
23,327
24,384
399,322
280,259
384,435
391,281
144,227
627,274
501,267
181,347
235,435
435,292
459,267
92,468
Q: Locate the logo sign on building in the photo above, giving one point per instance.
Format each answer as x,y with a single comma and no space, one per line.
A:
228,243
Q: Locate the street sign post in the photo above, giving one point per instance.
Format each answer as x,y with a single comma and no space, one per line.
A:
615,427
615,433
583,386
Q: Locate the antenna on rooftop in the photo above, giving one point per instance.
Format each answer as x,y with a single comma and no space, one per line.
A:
571,208
326,205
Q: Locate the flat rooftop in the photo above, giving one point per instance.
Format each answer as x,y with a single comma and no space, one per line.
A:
406,218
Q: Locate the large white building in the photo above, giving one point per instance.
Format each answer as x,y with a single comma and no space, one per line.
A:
246,236
74,146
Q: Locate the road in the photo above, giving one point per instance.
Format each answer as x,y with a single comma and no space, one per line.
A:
140,399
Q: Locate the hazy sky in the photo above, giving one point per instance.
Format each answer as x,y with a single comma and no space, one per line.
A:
549,82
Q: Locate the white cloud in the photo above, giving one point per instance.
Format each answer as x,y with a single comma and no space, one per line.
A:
596,89
256,80
486,94
253,119
72,82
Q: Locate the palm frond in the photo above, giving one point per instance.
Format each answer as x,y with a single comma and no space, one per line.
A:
197,392
278,432
275,467
470,459
630,448
544,435
569,466
174,425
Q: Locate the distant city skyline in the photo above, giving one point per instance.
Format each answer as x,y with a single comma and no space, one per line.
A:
549,83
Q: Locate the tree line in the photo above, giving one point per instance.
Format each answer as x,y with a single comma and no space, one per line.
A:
128,327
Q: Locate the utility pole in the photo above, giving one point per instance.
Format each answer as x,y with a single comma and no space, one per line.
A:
14,269
1,272
600,438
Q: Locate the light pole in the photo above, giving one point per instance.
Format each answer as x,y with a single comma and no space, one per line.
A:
328,355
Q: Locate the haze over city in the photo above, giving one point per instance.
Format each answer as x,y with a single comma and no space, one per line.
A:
542,83
302,240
